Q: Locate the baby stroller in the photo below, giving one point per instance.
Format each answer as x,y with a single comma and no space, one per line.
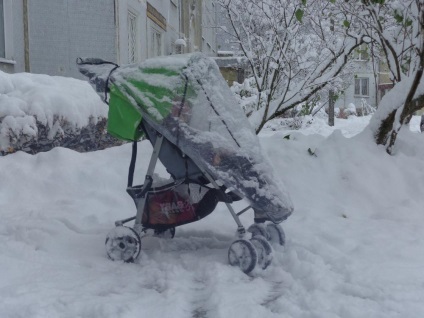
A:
184,107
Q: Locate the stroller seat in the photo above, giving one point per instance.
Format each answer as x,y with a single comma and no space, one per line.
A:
177,164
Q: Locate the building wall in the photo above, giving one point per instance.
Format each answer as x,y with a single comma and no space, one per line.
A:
209,23
18,36
170,11
13,28
138,8
191,24
174,27
348,97
146,24
62,30
183,20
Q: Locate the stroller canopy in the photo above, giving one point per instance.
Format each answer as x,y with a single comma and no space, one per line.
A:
185,98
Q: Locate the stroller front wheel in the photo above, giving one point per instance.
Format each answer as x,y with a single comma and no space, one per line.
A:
242,253
123,244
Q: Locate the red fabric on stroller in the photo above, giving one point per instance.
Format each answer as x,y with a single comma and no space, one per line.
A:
174,205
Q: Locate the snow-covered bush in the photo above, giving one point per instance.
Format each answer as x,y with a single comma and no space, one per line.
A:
292,123
365,108
345,112
247,95
39,112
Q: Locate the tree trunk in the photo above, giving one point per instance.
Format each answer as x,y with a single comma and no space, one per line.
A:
386,127
387,132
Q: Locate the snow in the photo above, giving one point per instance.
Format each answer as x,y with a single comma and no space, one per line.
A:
27,98
180,42
354,244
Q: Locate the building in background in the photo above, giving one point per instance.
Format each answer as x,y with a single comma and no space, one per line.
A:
362,91
46,36
384,82
370,82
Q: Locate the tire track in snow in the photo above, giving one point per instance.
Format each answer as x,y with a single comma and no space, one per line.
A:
205,285
203,292
193,258
276,290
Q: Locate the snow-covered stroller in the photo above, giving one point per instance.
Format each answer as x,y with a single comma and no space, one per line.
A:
184,107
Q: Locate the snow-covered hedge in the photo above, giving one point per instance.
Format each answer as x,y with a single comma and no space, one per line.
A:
39,112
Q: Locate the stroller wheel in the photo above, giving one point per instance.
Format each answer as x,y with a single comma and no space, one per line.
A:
242,253
263,249
276,234
123,244
258,229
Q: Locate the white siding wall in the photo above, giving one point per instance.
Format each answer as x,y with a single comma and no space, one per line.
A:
62,30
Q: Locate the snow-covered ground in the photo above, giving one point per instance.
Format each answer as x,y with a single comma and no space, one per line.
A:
355,244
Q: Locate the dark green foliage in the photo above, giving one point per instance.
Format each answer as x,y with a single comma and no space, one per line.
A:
299,15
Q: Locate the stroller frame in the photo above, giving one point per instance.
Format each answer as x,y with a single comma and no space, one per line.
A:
139,194
124,243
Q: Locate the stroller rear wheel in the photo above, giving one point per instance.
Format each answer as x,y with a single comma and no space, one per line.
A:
276,234
242,253
123,244
258,229
263,249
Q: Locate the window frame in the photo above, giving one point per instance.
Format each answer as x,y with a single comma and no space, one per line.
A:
8,33
133,36
360,86
362,53
155,51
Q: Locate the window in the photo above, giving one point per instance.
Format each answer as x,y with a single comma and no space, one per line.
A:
362,86
2,29
6,32
132,38
362,53
156,42
156,31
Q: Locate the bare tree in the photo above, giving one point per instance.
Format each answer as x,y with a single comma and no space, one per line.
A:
294,49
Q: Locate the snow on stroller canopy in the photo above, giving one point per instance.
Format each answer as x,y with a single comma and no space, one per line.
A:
186,99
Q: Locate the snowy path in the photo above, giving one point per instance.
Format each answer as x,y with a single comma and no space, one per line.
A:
353,250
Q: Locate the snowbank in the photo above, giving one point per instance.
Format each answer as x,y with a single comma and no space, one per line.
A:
41,109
